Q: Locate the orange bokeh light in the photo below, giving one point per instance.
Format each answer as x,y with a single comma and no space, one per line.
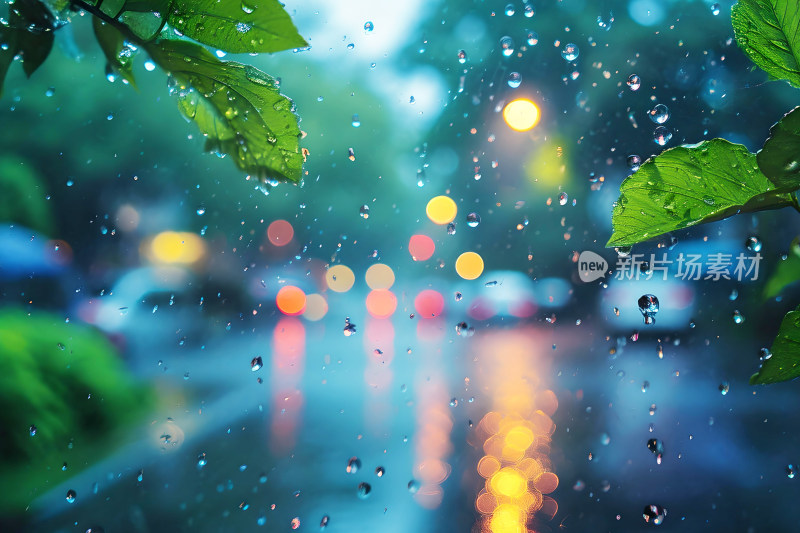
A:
291,300
381,303
421,247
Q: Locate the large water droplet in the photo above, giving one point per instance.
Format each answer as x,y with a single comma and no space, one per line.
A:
507,45
256,363
634,82
659,114
380,471
563,198
71,495
364,490
657,447
648,305
533,38
715,9
654,514
369,26
473,220
634,162
514,80
353,464
753,243
413,486
661,136
570,52
510,10
738,317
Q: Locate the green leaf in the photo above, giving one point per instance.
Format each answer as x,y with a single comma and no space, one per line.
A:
23,199
784,364
691,185
238,108
238,27
779,159
788,271
111,41
769,33
28,33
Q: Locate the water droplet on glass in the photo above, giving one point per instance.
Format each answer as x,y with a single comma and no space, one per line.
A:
645,386
648,305
462,56
510,10
364,490
715,9
791,470
353,464
71,495
764,354
451,229
364,211
380,471
32,430
465,330
563,198
533,38
349,327
529,11
458,296
149,66
738,318
605,24
201,460
657,447
473,220
453,402
634,162
201,211
351,155
324,522
369,26
570,52
356,121
507,45
514,80
413,486
753,243
634,82
724,387
661,135
659,114
654,514
295,523
256,363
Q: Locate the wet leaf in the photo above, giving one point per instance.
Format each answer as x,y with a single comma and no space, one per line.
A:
237,27
238,108
779,159
111,42
769,33
788,271
785,361
690,185
29,33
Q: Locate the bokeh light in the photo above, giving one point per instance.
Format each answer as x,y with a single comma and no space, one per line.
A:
316,307
280,232
340,278
469,265
177,247
291,300
381,303
421,247
379,276
521,114
429,304
441,210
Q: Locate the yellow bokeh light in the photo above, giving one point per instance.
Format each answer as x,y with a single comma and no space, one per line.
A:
509,482
508,518
441,210
316,307
519,438
177,247
379,276
521,114
340,278
469,265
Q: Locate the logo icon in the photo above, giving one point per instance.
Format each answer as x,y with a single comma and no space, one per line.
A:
591,266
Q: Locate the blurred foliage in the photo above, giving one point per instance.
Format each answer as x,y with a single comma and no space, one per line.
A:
66,381
787,272
244,116
24,199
